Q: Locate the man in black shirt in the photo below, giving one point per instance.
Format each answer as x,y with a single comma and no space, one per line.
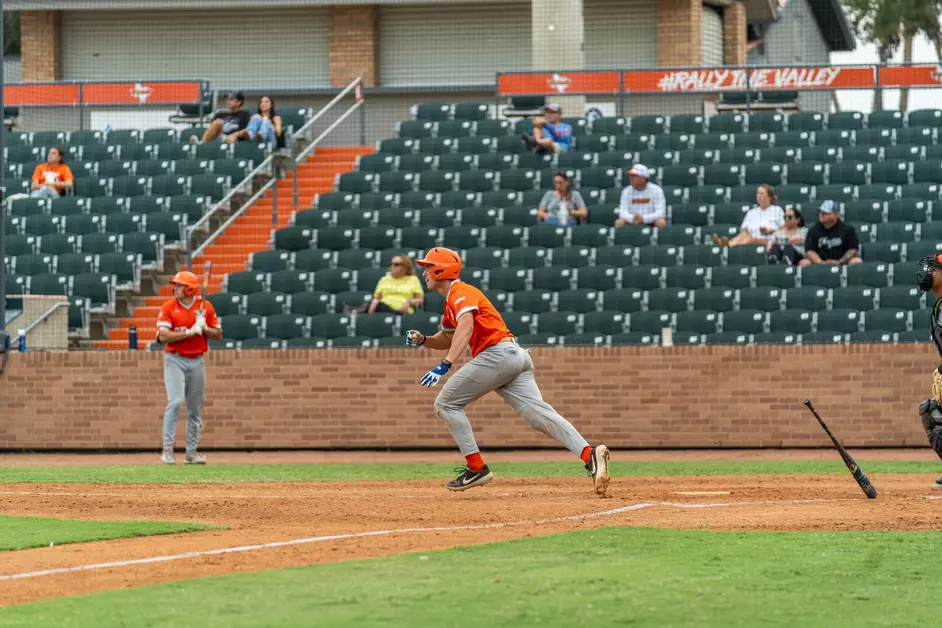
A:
831,240
929,277
230,124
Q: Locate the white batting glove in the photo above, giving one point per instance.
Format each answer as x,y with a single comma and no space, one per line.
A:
195,330
415,338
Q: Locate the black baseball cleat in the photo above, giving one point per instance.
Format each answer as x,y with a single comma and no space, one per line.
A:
598,468
469,479
938,483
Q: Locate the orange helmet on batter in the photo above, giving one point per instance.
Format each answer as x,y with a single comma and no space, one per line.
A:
189,280
442,263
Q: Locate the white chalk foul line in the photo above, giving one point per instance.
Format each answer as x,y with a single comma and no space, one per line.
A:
355,535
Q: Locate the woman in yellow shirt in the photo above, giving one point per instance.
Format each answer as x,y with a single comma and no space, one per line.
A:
400,290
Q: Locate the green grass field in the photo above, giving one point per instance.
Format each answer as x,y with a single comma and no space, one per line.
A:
25,532
604,577
617,576
156,474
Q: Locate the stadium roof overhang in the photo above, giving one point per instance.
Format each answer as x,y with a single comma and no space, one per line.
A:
756,10
833,24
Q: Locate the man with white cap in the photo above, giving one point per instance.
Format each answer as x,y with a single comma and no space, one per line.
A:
831,240
642,202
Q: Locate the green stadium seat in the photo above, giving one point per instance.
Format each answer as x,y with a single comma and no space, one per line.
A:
50,284
42,225
351,298
494,128
634,235
735,276
885,119
124,223
688,123
519,323
59,243
776,276
98,243
863,211
686,276
695,157
584,339
649,322
669,299
333,201
425,199
478,145
764,299
605,322
659,255
696,215
356,182
35,264
375,325
838,321
171,225
509,279
887,320
852,298
890,171
454,128
376,163
873,274
896,232
793,139
165,150
398,146
422,162
533,161
309,303
924,118
123,266
333,280
533,301
916,335
707,194
284,326
498,298
318,218
834,191
397,182
571,256
448,163
681,175
905,297
617,255
98,288
698,322
920,136
890,252
810,173
749,255
553,278
414,129
312,259
331,238
873,337
658,159
650,124
610,125
245,282
557,323
147,204
471,111
484,257
83,224
595,143
266,303
823,275
929,245
463,237
241,326
769,173
874,137
634,339
549,236
290,281
907,152
578,300
433,111
428,323
433,217
756,140
923,191
396,217
71,264
718,141
723,174
714,299
665,143
352,342
538,340
528,256
793,321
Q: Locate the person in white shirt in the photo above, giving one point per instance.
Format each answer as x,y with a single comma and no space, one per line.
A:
642,203
760,223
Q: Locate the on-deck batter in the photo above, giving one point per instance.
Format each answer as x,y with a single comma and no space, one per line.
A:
497,364
184,330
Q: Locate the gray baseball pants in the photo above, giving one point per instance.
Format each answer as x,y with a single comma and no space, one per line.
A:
505,368
185,383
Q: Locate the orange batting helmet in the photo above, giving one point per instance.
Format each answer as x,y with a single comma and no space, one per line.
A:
442,263
188,279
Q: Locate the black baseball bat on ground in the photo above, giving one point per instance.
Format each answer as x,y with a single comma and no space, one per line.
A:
862,480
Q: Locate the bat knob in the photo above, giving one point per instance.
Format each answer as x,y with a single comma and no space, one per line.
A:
807,402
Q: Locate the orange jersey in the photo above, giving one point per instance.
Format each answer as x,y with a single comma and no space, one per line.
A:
489,327
174,317
44,173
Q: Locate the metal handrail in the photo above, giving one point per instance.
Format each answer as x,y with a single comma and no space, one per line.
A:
269,161
45,315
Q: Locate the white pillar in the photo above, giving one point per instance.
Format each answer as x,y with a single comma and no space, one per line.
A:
559,44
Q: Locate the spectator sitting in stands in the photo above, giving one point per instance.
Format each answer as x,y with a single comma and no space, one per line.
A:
265,126
549,134
399,291
642,202
831,240
562,205
759,223
230,125
53,178
788,243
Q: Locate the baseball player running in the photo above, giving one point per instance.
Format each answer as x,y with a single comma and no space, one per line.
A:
930,410
184,329
497,364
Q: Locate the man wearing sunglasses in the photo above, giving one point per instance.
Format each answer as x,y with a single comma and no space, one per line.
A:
929,278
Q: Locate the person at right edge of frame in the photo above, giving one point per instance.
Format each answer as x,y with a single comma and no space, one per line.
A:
497,364
929,277
184,330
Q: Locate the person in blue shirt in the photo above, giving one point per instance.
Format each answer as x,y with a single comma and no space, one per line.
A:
549,134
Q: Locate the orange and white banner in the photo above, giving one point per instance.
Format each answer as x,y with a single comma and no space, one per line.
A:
719,80
74,94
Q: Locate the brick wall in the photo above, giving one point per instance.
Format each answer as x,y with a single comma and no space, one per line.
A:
734,34
354,45
356,398
41,45
678,32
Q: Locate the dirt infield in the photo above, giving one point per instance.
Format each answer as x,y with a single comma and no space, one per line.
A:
371,519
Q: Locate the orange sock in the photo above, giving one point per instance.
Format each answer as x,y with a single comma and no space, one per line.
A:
586,454
475,462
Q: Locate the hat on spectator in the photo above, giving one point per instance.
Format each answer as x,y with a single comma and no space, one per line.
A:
828,207
640,170
553,107
237,96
